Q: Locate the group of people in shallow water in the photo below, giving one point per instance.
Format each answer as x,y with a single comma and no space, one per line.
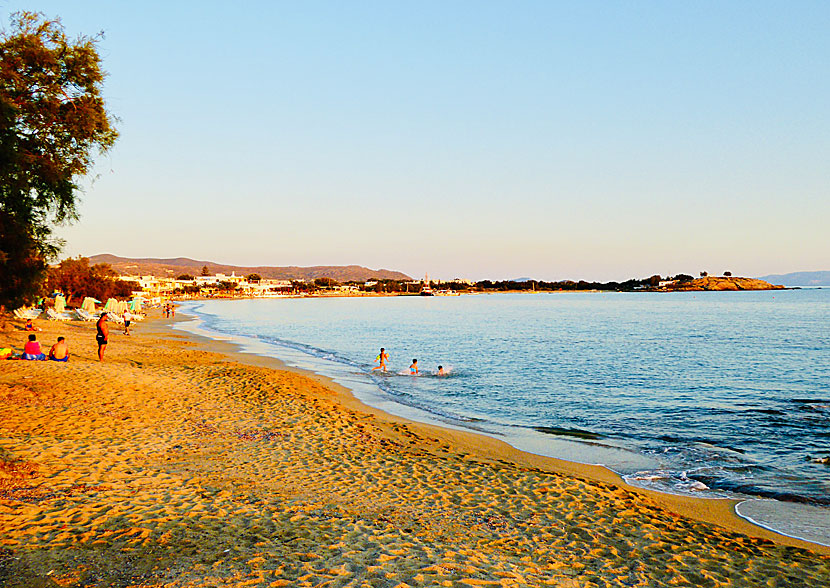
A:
383,357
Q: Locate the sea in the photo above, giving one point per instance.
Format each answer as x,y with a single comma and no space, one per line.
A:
711,394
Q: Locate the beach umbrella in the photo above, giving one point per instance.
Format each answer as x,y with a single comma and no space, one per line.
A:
89,303
135,304
110,305
60,303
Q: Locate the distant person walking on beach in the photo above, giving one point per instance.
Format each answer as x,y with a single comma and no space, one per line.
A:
103,335
127,318
59,351
413,369
382,357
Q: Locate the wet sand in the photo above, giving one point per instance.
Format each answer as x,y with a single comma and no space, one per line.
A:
179,463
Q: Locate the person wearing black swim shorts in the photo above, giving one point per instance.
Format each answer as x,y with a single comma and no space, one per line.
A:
102,336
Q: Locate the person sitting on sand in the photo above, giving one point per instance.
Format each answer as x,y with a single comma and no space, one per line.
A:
382,358
32,350
102,336
59,351
413,369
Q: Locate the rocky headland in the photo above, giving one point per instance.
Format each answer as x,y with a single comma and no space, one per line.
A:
722,283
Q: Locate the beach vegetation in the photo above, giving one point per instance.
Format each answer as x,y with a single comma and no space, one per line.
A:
704,274
76,279
205,270
326,282
727,274
253,277
52,121
185,278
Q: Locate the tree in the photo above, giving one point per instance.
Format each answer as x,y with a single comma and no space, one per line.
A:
205,270
22,263
253,277
186,277
704,274
52,120
76,279
727,274
325,282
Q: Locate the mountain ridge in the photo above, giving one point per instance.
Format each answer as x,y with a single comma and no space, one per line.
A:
792,279
175,266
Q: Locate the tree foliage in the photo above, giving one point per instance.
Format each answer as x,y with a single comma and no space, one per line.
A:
77,279
325,282
52,122
253,277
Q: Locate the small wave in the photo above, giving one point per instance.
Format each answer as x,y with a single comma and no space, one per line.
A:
581,434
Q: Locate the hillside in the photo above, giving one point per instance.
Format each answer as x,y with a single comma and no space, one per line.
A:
800,279
723,283
182,265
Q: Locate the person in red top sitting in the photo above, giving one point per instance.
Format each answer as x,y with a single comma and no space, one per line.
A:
32,350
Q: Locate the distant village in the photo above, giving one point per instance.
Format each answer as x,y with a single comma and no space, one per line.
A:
220,285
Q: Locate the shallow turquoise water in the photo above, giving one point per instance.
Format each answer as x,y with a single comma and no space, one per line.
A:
725,394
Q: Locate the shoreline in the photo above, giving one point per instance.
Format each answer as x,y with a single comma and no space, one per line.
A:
182,462
718,511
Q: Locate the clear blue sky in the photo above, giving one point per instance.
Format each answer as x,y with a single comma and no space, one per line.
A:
596,140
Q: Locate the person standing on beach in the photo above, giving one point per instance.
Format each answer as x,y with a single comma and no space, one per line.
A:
127,318
103,335
382,358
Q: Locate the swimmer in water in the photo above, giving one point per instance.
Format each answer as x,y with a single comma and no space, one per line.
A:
382,358
413,369
441,371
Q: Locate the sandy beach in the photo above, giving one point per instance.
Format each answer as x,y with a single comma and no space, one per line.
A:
178,462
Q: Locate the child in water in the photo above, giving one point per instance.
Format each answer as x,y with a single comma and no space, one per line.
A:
413,369
441,371
382,358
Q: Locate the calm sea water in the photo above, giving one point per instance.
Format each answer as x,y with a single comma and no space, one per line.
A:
714,393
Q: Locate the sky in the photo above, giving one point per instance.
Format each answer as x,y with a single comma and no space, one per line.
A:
472,139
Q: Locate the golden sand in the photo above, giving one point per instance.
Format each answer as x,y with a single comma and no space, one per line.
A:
168,465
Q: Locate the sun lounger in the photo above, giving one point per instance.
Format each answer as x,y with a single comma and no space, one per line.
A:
27,313
52,314
116,318
85,315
